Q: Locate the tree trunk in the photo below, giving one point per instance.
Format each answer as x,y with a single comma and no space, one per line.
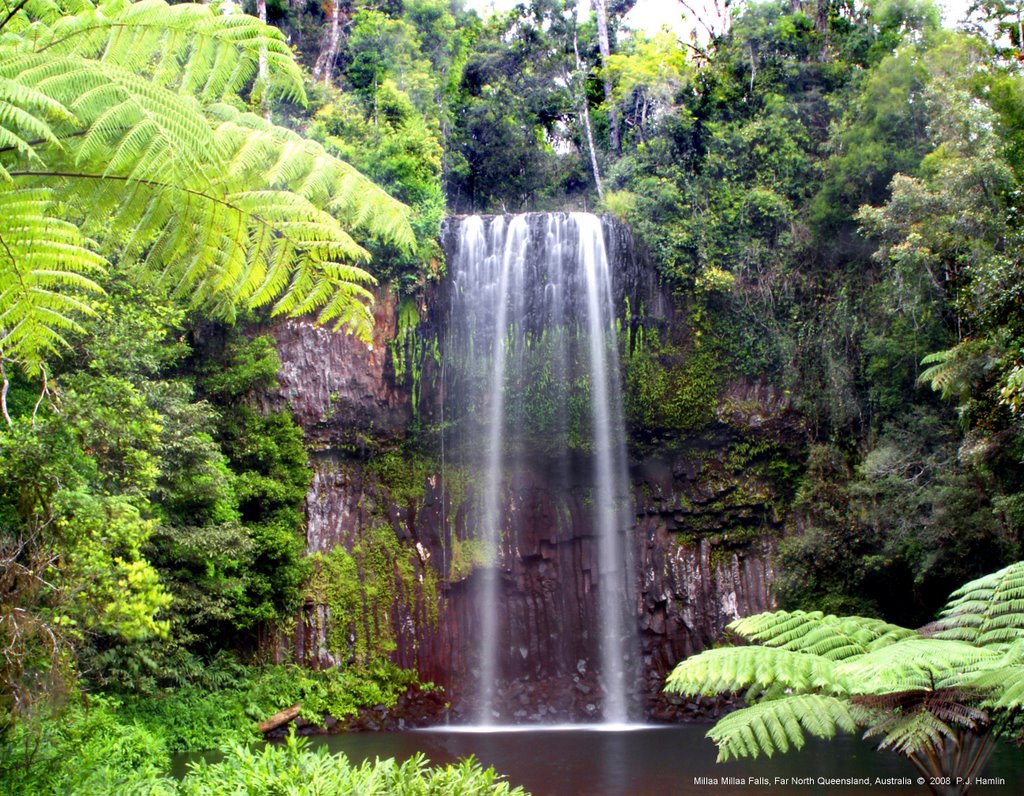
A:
585,111
605,44
279,719
3,391
324,66
261,12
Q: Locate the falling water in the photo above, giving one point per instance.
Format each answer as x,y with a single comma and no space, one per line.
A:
533,313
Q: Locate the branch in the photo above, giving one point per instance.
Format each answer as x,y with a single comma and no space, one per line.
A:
14,11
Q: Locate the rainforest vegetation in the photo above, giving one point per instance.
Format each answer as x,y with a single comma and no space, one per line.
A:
833,191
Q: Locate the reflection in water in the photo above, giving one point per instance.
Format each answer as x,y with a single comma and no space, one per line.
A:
660,760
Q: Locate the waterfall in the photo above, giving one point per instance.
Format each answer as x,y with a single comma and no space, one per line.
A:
533,354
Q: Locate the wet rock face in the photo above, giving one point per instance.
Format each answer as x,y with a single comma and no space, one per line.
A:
695,574
340,389
707,512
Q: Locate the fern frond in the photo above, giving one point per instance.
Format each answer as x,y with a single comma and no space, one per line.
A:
1003,684
833,637
123,124
25,116
737,668
957,706
915,664
108,105
909,733
188,48
262,153
986,611
46,266
780,724
954,371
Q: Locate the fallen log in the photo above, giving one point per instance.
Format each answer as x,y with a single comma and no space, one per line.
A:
280,718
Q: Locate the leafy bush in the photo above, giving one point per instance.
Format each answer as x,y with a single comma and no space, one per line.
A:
295,769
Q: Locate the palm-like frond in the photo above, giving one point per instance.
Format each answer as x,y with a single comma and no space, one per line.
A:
25,116
189,48
46,265
252,248
739,668
939,700
116,106
916,664
986,611
257,151
122,124
779,724
954,706
953,372
834,637
1004,686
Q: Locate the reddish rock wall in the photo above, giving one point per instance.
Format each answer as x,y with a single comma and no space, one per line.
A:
705,525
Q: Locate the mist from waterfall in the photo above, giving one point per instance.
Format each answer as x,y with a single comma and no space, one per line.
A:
533,338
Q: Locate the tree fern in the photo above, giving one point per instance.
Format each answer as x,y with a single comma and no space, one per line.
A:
952,372
939,699
1004,686
916,663
740,668
906,733
833,637
46,275
189,48
256,151
116,107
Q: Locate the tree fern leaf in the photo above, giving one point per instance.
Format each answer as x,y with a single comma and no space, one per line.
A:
46,270
915,664
736,668
986,611
779,724
911,733
220,53
832,637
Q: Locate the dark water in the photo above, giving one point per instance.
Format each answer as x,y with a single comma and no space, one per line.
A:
658,760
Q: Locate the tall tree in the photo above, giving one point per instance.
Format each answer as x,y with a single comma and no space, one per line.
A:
605,44
324,66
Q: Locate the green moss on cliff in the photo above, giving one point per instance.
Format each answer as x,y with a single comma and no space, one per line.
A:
672,388
361,588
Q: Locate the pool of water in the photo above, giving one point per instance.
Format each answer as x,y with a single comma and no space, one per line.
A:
644,760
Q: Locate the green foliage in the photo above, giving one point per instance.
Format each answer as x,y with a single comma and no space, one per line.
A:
72,558
671,388
88,748
302,771
925,697
123,745
897,532
780,724
130,138
361,589
986,611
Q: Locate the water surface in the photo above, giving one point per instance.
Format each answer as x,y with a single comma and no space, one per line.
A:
634,760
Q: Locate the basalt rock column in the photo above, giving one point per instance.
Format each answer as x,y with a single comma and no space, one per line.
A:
531,351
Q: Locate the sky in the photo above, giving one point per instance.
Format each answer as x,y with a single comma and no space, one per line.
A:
651,15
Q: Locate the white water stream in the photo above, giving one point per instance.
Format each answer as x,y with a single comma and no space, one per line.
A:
545,281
